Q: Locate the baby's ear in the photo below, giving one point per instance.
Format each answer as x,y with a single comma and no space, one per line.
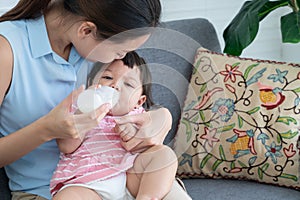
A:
142,100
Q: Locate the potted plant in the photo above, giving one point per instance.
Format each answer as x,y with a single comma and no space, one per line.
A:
243,29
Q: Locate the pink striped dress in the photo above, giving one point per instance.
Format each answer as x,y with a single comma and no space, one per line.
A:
99,157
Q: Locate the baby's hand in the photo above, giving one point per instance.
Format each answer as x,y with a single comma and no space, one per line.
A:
127,131
152,127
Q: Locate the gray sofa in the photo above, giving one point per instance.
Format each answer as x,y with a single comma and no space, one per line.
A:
170,52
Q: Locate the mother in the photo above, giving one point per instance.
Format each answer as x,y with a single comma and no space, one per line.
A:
47,49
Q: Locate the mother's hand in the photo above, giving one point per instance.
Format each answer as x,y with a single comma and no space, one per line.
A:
151,129
63,124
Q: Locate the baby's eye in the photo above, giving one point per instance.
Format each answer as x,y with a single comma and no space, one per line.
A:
107,77
129,85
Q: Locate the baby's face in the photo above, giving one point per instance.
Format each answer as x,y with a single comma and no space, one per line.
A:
127,82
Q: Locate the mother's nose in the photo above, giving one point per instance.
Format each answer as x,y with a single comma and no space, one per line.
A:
120,56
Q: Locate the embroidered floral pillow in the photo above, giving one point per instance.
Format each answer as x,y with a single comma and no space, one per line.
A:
241,120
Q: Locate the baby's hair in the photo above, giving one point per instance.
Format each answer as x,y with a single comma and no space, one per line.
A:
130,60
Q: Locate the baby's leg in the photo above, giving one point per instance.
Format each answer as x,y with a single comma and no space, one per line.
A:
76,193
153,173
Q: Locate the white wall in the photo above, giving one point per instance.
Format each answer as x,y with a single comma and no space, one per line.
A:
6,4
267,44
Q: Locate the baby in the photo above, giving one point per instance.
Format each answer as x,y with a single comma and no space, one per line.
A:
98,167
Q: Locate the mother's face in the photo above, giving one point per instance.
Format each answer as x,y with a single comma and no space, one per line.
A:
106,51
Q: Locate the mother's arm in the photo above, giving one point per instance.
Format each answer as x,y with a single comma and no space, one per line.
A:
25,140
58,123
153,126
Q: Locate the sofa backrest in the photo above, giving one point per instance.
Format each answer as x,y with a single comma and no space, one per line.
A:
170,54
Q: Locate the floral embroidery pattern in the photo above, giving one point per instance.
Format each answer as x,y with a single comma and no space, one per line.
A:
241,120
225,108
231,73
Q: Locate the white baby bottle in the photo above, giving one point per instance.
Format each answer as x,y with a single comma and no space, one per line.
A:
93,98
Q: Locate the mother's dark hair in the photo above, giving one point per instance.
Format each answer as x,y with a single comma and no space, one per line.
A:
111,17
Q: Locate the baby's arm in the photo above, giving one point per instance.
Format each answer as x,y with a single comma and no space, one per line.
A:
68,145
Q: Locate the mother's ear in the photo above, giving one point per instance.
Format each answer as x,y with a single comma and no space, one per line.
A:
86,29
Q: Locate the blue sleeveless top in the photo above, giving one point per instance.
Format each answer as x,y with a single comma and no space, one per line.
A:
41,79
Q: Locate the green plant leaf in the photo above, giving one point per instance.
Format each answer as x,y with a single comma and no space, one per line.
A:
289,176
290,27
297,90
196,66
270,6
247,71
241,121
265,166
216,164
260,173
243,28
235,64
203,88
204,161
202,115
289,134
232,165
222,154
226,128
188,129
254,110
286,120
207,124
278,138
242,164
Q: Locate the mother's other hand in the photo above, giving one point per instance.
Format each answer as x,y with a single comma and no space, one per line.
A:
152,128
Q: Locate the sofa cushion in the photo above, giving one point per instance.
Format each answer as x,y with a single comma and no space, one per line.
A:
241,120
225,189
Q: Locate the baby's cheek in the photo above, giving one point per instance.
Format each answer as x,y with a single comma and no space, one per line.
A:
134,97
